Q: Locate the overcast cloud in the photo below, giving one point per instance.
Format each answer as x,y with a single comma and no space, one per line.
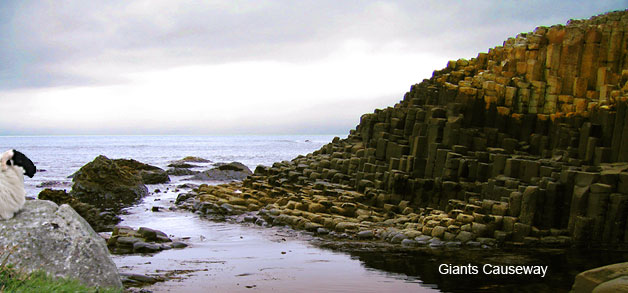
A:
222,67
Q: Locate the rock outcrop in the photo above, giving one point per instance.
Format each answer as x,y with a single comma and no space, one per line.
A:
99,220
611,278
526,145
106,185
191,159
149,174
233,171
126,240
44,236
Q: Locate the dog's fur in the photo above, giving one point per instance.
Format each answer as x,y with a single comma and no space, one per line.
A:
13,166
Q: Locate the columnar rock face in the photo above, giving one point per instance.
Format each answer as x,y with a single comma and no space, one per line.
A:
526,143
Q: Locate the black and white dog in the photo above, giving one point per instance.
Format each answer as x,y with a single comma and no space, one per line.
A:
13,166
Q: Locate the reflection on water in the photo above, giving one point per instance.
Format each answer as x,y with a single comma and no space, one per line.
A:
563,266
237,257
232,257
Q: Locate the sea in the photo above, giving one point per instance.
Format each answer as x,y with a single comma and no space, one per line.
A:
58,157
231,256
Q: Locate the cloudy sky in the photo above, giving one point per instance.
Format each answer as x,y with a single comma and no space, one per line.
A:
237,67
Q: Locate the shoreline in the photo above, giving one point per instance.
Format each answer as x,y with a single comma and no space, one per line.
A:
556,258
234,252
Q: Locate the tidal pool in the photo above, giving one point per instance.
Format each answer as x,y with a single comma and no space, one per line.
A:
234,257
241,257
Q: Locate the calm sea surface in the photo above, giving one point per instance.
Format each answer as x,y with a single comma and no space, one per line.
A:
60,156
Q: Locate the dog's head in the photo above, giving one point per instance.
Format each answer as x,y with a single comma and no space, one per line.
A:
19,159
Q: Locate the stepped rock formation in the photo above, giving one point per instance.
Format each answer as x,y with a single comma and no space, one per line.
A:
525,144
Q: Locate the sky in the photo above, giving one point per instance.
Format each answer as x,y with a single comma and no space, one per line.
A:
238,67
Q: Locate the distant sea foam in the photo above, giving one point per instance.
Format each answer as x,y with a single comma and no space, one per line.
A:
60,156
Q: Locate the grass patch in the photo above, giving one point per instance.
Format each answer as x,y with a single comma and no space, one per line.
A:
14,280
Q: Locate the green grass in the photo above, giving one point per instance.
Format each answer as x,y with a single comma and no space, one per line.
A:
13,280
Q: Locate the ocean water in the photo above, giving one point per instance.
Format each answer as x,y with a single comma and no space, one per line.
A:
58,157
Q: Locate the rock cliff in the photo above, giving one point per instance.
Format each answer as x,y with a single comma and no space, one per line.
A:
526,144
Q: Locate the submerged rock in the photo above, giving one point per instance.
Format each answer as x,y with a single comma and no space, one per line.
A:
104,184
139,280
187,186
182,165
125,240
177,171
190,159
47,184
233,171
45,236
195,159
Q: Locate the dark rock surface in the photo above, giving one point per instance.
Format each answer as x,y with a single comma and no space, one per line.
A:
233,171
49,184
149,174
182,165
193,159
125,240
106,185
181,171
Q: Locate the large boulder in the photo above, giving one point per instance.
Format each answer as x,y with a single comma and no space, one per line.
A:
106,185
610,278
99,220
149,174
45,236
233,171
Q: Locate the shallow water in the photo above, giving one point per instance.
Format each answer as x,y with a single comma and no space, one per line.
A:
241,257
57,157
233,257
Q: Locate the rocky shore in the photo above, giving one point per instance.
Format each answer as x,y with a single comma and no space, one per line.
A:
125,239
104,186
526,145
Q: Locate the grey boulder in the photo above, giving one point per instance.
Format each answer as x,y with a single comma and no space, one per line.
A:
45,236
